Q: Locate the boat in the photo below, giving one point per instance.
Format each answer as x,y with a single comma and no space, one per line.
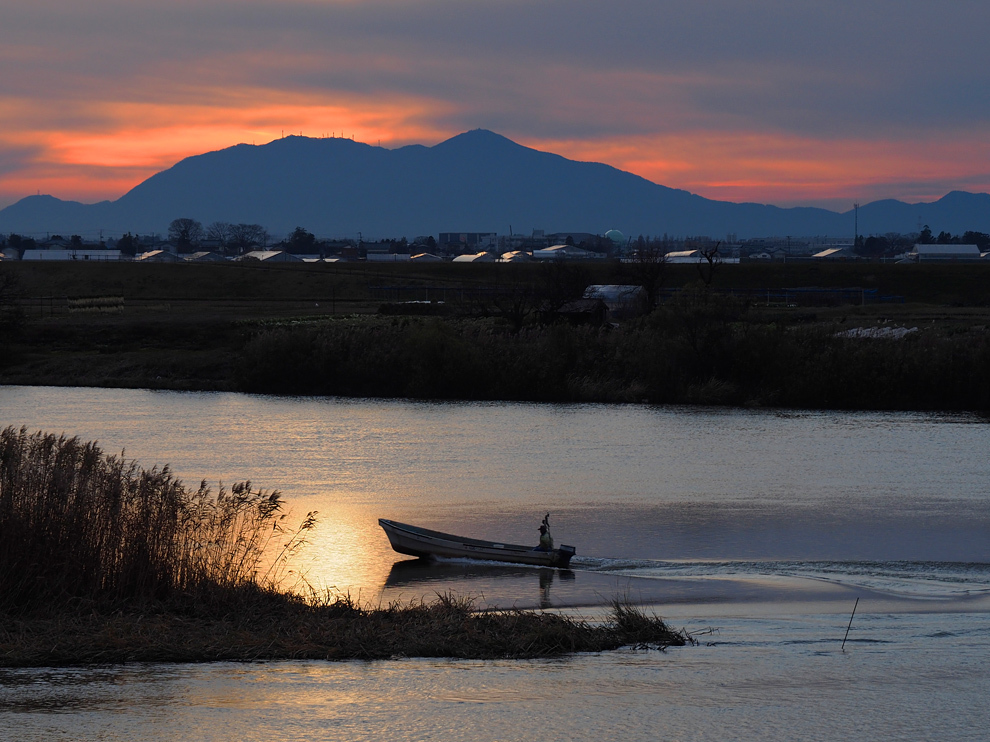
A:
424,543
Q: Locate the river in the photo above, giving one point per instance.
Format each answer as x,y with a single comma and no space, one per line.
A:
757,530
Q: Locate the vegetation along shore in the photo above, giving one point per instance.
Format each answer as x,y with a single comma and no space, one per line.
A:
103,561
811,335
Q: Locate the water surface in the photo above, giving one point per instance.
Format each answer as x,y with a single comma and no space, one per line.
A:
764,525
709,504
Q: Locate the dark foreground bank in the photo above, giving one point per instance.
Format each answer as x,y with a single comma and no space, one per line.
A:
267,628
102,562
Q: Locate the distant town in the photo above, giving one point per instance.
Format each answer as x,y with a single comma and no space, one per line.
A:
188,240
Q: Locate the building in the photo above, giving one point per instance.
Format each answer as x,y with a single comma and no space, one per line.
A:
464,242
384,256
515,256
158,256
943,253
535,241
565,252
481,257
273,256
684,256
835,253
621,300
205,257
581,312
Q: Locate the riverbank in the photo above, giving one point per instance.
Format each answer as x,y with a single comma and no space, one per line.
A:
704,351
289,331
275,628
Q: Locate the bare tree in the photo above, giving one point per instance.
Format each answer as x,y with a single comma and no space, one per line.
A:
561,282
220,233
648,267
185,232
515,303
712,260
245,236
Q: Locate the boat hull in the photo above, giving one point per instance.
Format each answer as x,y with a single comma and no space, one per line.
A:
424,543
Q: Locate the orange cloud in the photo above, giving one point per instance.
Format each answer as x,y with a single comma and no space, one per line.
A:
91,163
786,170
147,138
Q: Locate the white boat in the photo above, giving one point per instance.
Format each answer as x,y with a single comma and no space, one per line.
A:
423,543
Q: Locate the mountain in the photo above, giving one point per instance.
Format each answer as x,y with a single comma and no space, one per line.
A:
478,181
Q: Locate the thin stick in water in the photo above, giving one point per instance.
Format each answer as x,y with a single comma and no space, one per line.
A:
850,625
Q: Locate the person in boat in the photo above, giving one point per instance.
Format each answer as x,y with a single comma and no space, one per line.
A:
546,540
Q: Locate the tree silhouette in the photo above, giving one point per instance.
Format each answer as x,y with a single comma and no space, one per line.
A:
220,233
128,244
712,261
244,236
301,241
185,233
648,267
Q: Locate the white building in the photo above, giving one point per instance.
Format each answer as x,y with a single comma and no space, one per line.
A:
692,257
929,253
273,256
565,252
481,257
684,256
515,256
158,256
205,257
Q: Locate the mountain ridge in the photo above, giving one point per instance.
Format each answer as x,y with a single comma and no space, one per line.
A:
477,181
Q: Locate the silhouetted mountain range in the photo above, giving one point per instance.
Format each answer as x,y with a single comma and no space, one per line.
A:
477,181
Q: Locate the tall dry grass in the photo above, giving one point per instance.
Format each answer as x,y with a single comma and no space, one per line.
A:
79,527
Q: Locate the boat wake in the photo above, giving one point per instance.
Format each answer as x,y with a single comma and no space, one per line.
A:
920,580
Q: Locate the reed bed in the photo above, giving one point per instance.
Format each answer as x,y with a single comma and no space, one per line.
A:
82,528
102,561
696,349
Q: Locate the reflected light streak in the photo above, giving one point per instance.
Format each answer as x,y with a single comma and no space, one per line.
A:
347,548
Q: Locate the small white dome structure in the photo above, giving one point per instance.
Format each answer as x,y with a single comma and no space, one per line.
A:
616,237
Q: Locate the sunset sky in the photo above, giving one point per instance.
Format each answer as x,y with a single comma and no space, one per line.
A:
788,102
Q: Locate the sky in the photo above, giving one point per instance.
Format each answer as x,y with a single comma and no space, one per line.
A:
789,102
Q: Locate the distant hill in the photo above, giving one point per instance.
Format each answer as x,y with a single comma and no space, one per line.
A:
478,181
